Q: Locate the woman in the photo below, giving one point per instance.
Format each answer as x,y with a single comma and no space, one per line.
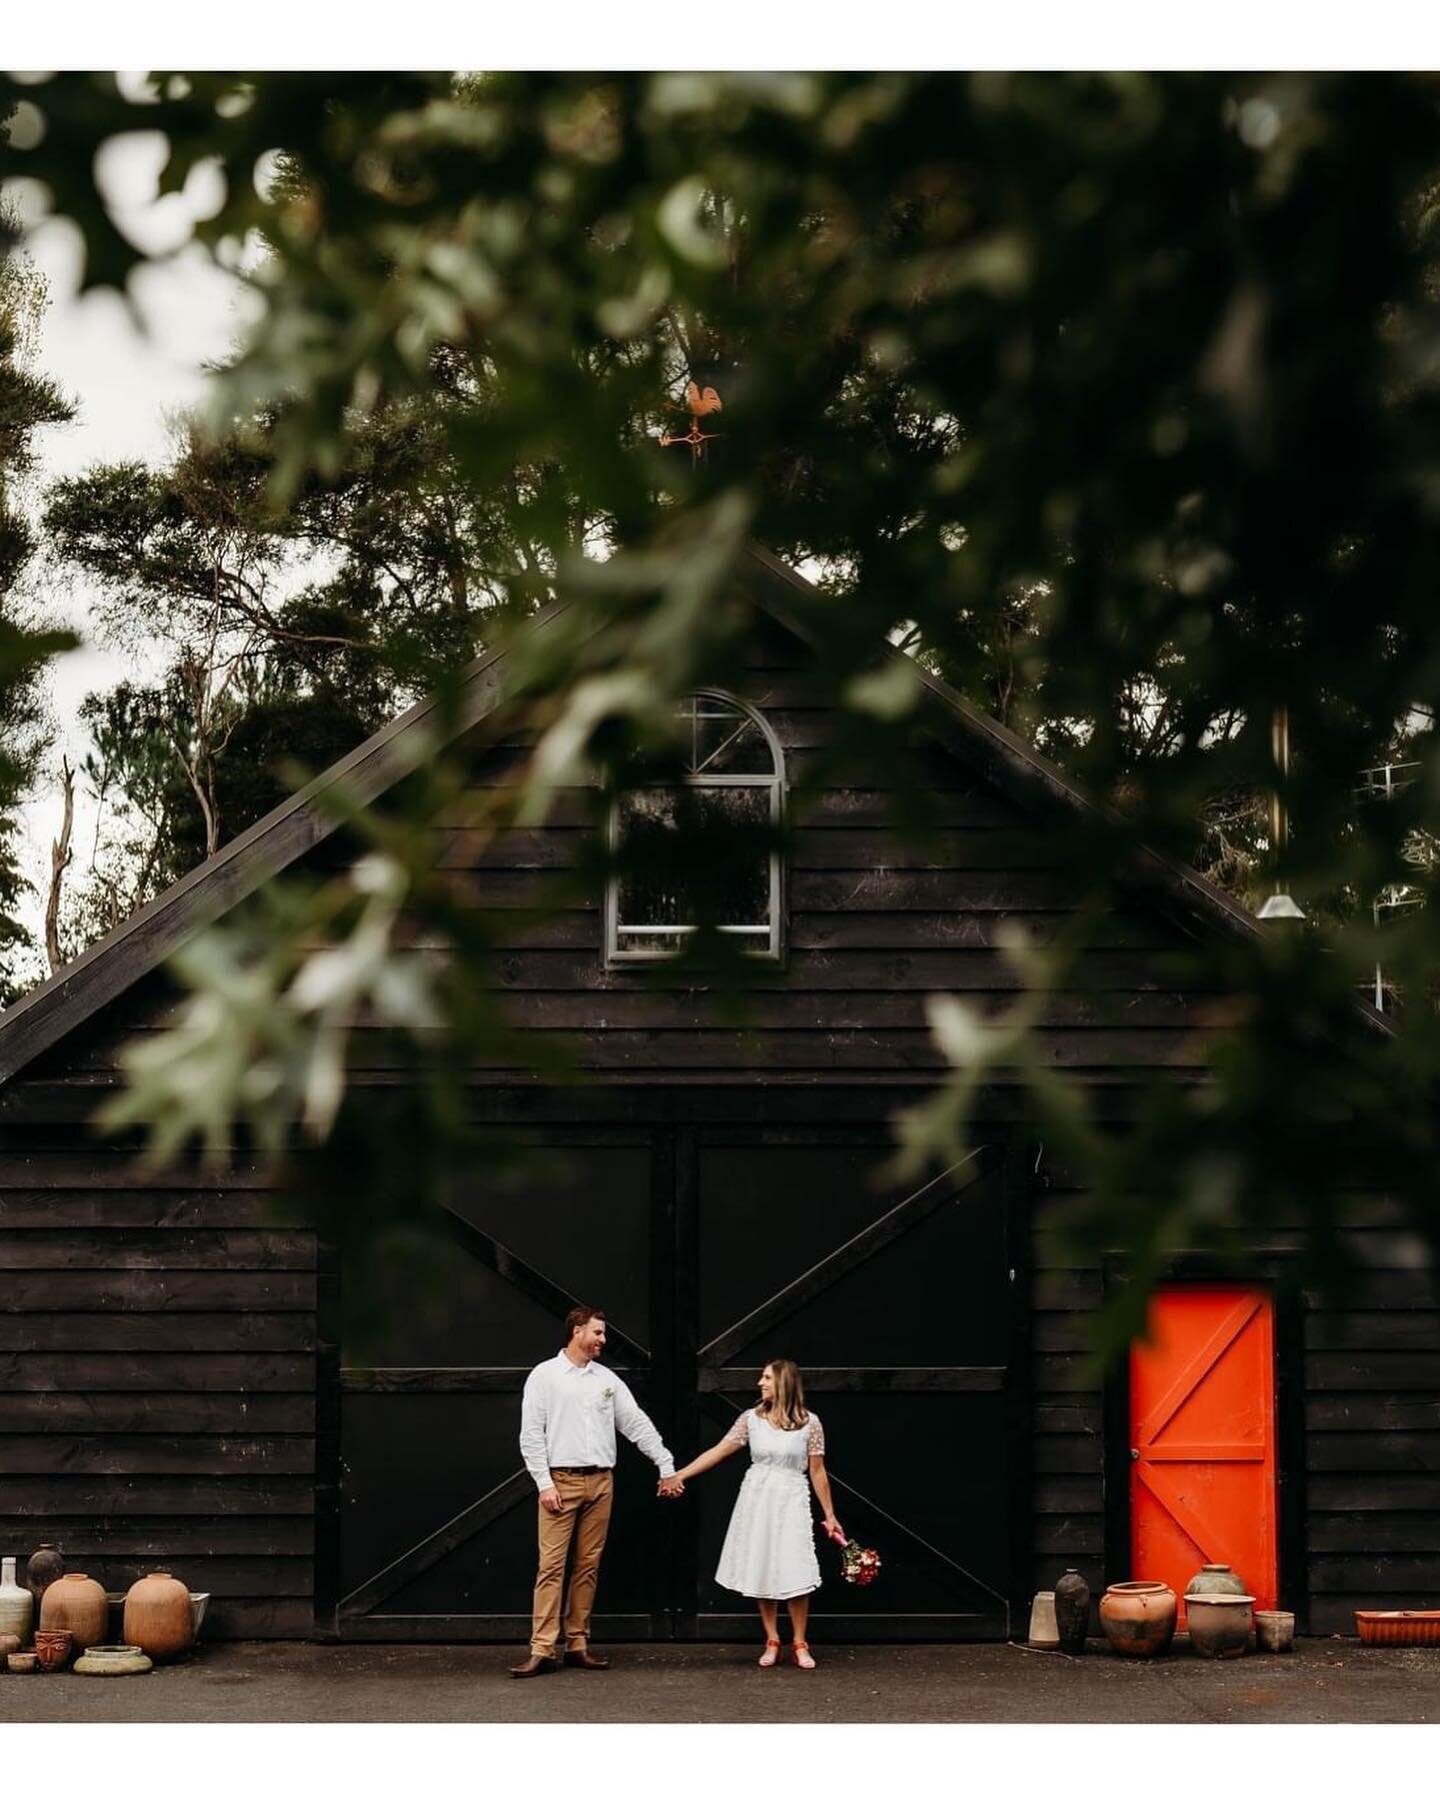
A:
769,1551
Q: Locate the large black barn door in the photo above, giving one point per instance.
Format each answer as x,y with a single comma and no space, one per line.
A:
712,1249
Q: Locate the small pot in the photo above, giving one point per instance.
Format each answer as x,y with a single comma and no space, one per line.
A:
52,1649
1138,1618
1219,1624
1072,1611
1274,1631
20,1663
1043,1633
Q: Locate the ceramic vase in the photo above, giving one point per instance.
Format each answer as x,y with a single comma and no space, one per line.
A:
1274,1631
1219,1623
157,1616
1043,1633
1215,1579
1072,1611
1138,1618
52,1649
17,1605
76,1604
45,1566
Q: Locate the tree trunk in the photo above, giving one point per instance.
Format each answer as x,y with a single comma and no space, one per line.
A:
59,860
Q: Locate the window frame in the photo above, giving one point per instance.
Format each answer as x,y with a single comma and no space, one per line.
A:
617,957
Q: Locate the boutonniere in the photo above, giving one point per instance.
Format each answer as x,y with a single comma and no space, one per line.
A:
608,1393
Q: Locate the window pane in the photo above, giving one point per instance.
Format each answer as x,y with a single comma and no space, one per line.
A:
706,859
726,740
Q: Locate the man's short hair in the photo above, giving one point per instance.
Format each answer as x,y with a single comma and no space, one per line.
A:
580,1317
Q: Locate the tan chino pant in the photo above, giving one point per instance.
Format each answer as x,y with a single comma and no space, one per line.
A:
584,1516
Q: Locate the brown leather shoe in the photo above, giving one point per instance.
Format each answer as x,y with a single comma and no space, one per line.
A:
585,1660
535,1666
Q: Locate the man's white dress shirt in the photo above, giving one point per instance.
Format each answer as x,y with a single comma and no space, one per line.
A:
569,1414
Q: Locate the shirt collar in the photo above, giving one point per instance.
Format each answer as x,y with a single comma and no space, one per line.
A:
568,1364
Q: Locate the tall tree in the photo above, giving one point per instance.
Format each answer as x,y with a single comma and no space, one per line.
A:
28,402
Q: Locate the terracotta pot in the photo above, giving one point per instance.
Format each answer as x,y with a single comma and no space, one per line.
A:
1219,1624
1138,1617
157,1616
76,1603
1072,1611
52,1649
1274,1631
46,1565
1043,1634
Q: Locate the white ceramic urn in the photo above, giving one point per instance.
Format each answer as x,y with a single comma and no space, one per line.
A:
17,1605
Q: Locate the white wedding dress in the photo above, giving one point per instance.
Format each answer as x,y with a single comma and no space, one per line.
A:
769,1550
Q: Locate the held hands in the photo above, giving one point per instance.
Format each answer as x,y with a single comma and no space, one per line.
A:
671,1485
833,1530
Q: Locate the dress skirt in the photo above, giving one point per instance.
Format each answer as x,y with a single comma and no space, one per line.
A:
769,1549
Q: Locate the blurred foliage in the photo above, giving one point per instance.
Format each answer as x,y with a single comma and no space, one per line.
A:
1114,396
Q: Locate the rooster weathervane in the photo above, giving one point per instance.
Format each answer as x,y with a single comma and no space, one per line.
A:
699,402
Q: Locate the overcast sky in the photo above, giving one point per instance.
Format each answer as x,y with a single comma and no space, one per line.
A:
126,382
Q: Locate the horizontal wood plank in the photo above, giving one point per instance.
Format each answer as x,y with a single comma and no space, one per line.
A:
163,1372
114,1249
211,1411
189,1330
217,1492
144,1291
155,1455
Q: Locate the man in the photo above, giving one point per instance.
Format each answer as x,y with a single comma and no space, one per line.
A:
568,1416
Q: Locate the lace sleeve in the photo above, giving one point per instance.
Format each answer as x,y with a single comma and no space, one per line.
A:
739,1434
815,1440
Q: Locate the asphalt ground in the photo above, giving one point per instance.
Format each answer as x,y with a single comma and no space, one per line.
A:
1320,1682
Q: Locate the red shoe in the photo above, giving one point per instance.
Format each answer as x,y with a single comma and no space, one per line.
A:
770,1655
801,1653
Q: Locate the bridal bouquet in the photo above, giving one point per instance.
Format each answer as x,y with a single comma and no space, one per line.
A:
859,1564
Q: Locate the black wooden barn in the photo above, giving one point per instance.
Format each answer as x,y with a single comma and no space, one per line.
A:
167,1395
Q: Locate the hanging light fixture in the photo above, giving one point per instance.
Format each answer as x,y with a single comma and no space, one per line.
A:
1280,906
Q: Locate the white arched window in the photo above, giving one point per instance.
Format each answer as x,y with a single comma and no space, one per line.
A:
719,833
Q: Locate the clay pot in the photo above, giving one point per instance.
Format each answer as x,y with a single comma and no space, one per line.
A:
75,1603
46,1565
17,1605
157,1616
1072,1611
52,1649
1215,1579
1138,1618
1219,1624
1043,1633
20,1663
1274,1631
112,1660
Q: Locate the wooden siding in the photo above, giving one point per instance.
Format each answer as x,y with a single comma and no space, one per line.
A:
157,1378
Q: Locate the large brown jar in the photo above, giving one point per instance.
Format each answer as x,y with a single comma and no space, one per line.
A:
75,1603
157,1616
1138,1618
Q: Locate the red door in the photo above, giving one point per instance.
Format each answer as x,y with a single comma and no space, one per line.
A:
1202,1438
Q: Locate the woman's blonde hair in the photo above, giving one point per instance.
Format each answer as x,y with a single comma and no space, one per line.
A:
787,1411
